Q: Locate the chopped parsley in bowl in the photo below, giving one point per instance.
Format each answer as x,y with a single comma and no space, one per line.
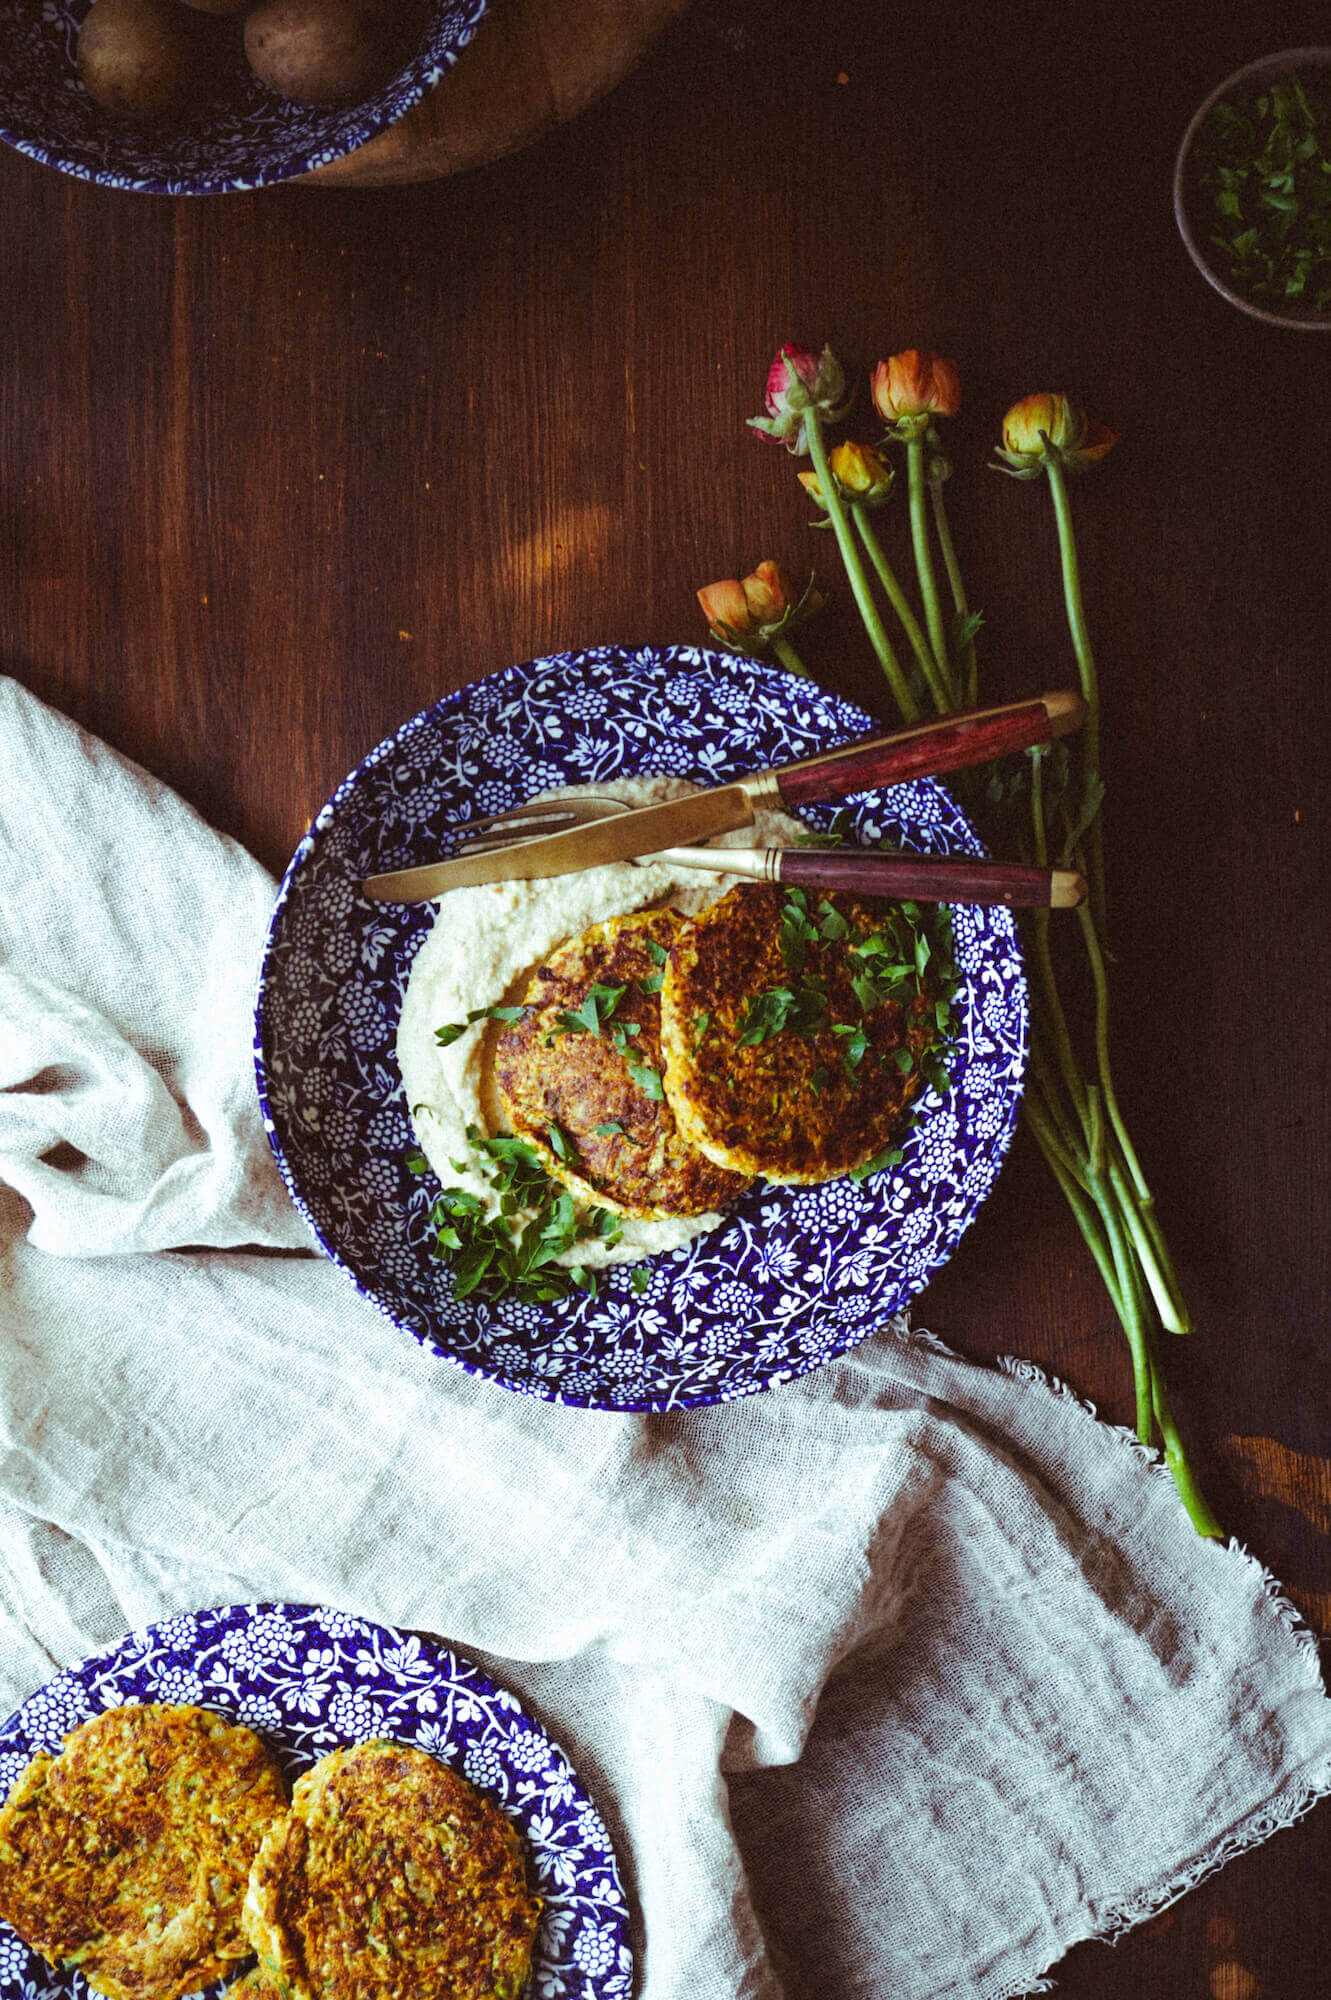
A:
1252,189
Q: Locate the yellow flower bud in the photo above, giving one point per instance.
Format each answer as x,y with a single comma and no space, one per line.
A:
1050,425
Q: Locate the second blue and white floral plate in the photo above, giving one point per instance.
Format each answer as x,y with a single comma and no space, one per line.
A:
794,1275
309,1681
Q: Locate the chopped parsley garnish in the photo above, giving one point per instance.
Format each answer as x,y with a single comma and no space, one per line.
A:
797,932
657,953
599,1005
1263,162
448,1034
646,1078
516,1251
639,1279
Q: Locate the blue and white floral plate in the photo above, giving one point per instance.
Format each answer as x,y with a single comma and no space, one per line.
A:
246,137
309,1681
794,1275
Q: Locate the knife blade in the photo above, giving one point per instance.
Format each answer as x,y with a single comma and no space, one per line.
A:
676,823
952,743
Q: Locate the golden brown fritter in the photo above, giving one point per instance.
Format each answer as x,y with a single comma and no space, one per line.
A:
589,1097
775,1064
128,1854
391,1879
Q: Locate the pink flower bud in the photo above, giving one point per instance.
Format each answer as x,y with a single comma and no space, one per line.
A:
1051,426
799,381
910,387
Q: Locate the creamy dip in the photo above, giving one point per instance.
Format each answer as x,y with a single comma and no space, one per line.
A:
485,945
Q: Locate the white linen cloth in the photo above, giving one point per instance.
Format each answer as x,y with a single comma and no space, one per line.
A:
976,1688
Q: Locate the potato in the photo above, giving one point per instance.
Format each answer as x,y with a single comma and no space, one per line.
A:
325,51
145,59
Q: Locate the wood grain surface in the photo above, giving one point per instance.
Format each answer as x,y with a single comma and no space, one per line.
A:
530,67
277,470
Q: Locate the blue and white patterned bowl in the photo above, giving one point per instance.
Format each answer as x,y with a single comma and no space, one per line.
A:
246,138
309,1681
795,1274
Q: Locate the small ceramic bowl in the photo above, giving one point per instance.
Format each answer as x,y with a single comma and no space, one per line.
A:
1188,196
245,137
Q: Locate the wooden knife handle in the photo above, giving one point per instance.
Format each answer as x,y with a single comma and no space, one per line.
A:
953,743
929,878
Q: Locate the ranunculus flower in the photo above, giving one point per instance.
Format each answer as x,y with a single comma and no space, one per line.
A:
760,608
860,471
1051,426
799,381
725,604
910,387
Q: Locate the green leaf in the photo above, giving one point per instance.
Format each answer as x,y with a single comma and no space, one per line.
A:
765,1014
647,1079
701,1023
854,1045
966,627
652,984
559,1142
639,1279
607,998
584,1020
658,953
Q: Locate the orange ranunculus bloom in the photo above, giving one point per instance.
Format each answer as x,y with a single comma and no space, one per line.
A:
769,593
916,384
725,604
1052,424
765,602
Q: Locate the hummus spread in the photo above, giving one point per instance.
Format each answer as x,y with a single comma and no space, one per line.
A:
484,947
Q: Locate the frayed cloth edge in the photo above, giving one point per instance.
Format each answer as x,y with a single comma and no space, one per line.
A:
1295,1798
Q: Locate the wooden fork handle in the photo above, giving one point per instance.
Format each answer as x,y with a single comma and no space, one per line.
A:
927,878
953,743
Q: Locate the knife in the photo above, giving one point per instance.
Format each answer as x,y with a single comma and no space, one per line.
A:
953,743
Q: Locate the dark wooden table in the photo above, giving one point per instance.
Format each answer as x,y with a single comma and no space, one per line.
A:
275,471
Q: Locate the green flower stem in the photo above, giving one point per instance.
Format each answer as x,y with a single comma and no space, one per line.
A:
1159,1270
859,581
788,657
953,568
1054,1140
1145,1208
1090,684
900,603
1073,1140
924,563
1056,1019
1129,1309
1199,1512
1083,1211
1166,1304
